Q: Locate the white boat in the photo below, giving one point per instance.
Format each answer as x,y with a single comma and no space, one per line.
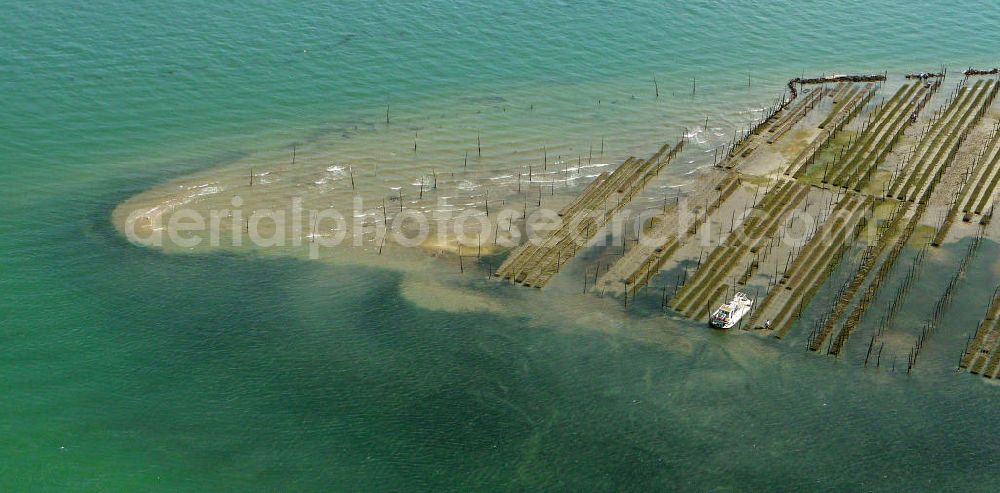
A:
729,314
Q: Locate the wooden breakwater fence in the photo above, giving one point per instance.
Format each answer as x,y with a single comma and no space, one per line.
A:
977,71
536,261
927,75
829,79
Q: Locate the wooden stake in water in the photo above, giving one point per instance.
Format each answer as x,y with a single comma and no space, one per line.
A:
656,87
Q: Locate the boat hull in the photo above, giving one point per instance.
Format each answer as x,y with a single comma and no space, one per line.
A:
730,314
721,326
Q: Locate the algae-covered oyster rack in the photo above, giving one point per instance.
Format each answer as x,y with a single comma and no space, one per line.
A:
885,175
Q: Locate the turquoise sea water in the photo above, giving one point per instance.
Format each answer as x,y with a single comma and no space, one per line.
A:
125,369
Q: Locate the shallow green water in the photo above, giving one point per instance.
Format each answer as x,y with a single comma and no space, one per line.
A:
123,369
